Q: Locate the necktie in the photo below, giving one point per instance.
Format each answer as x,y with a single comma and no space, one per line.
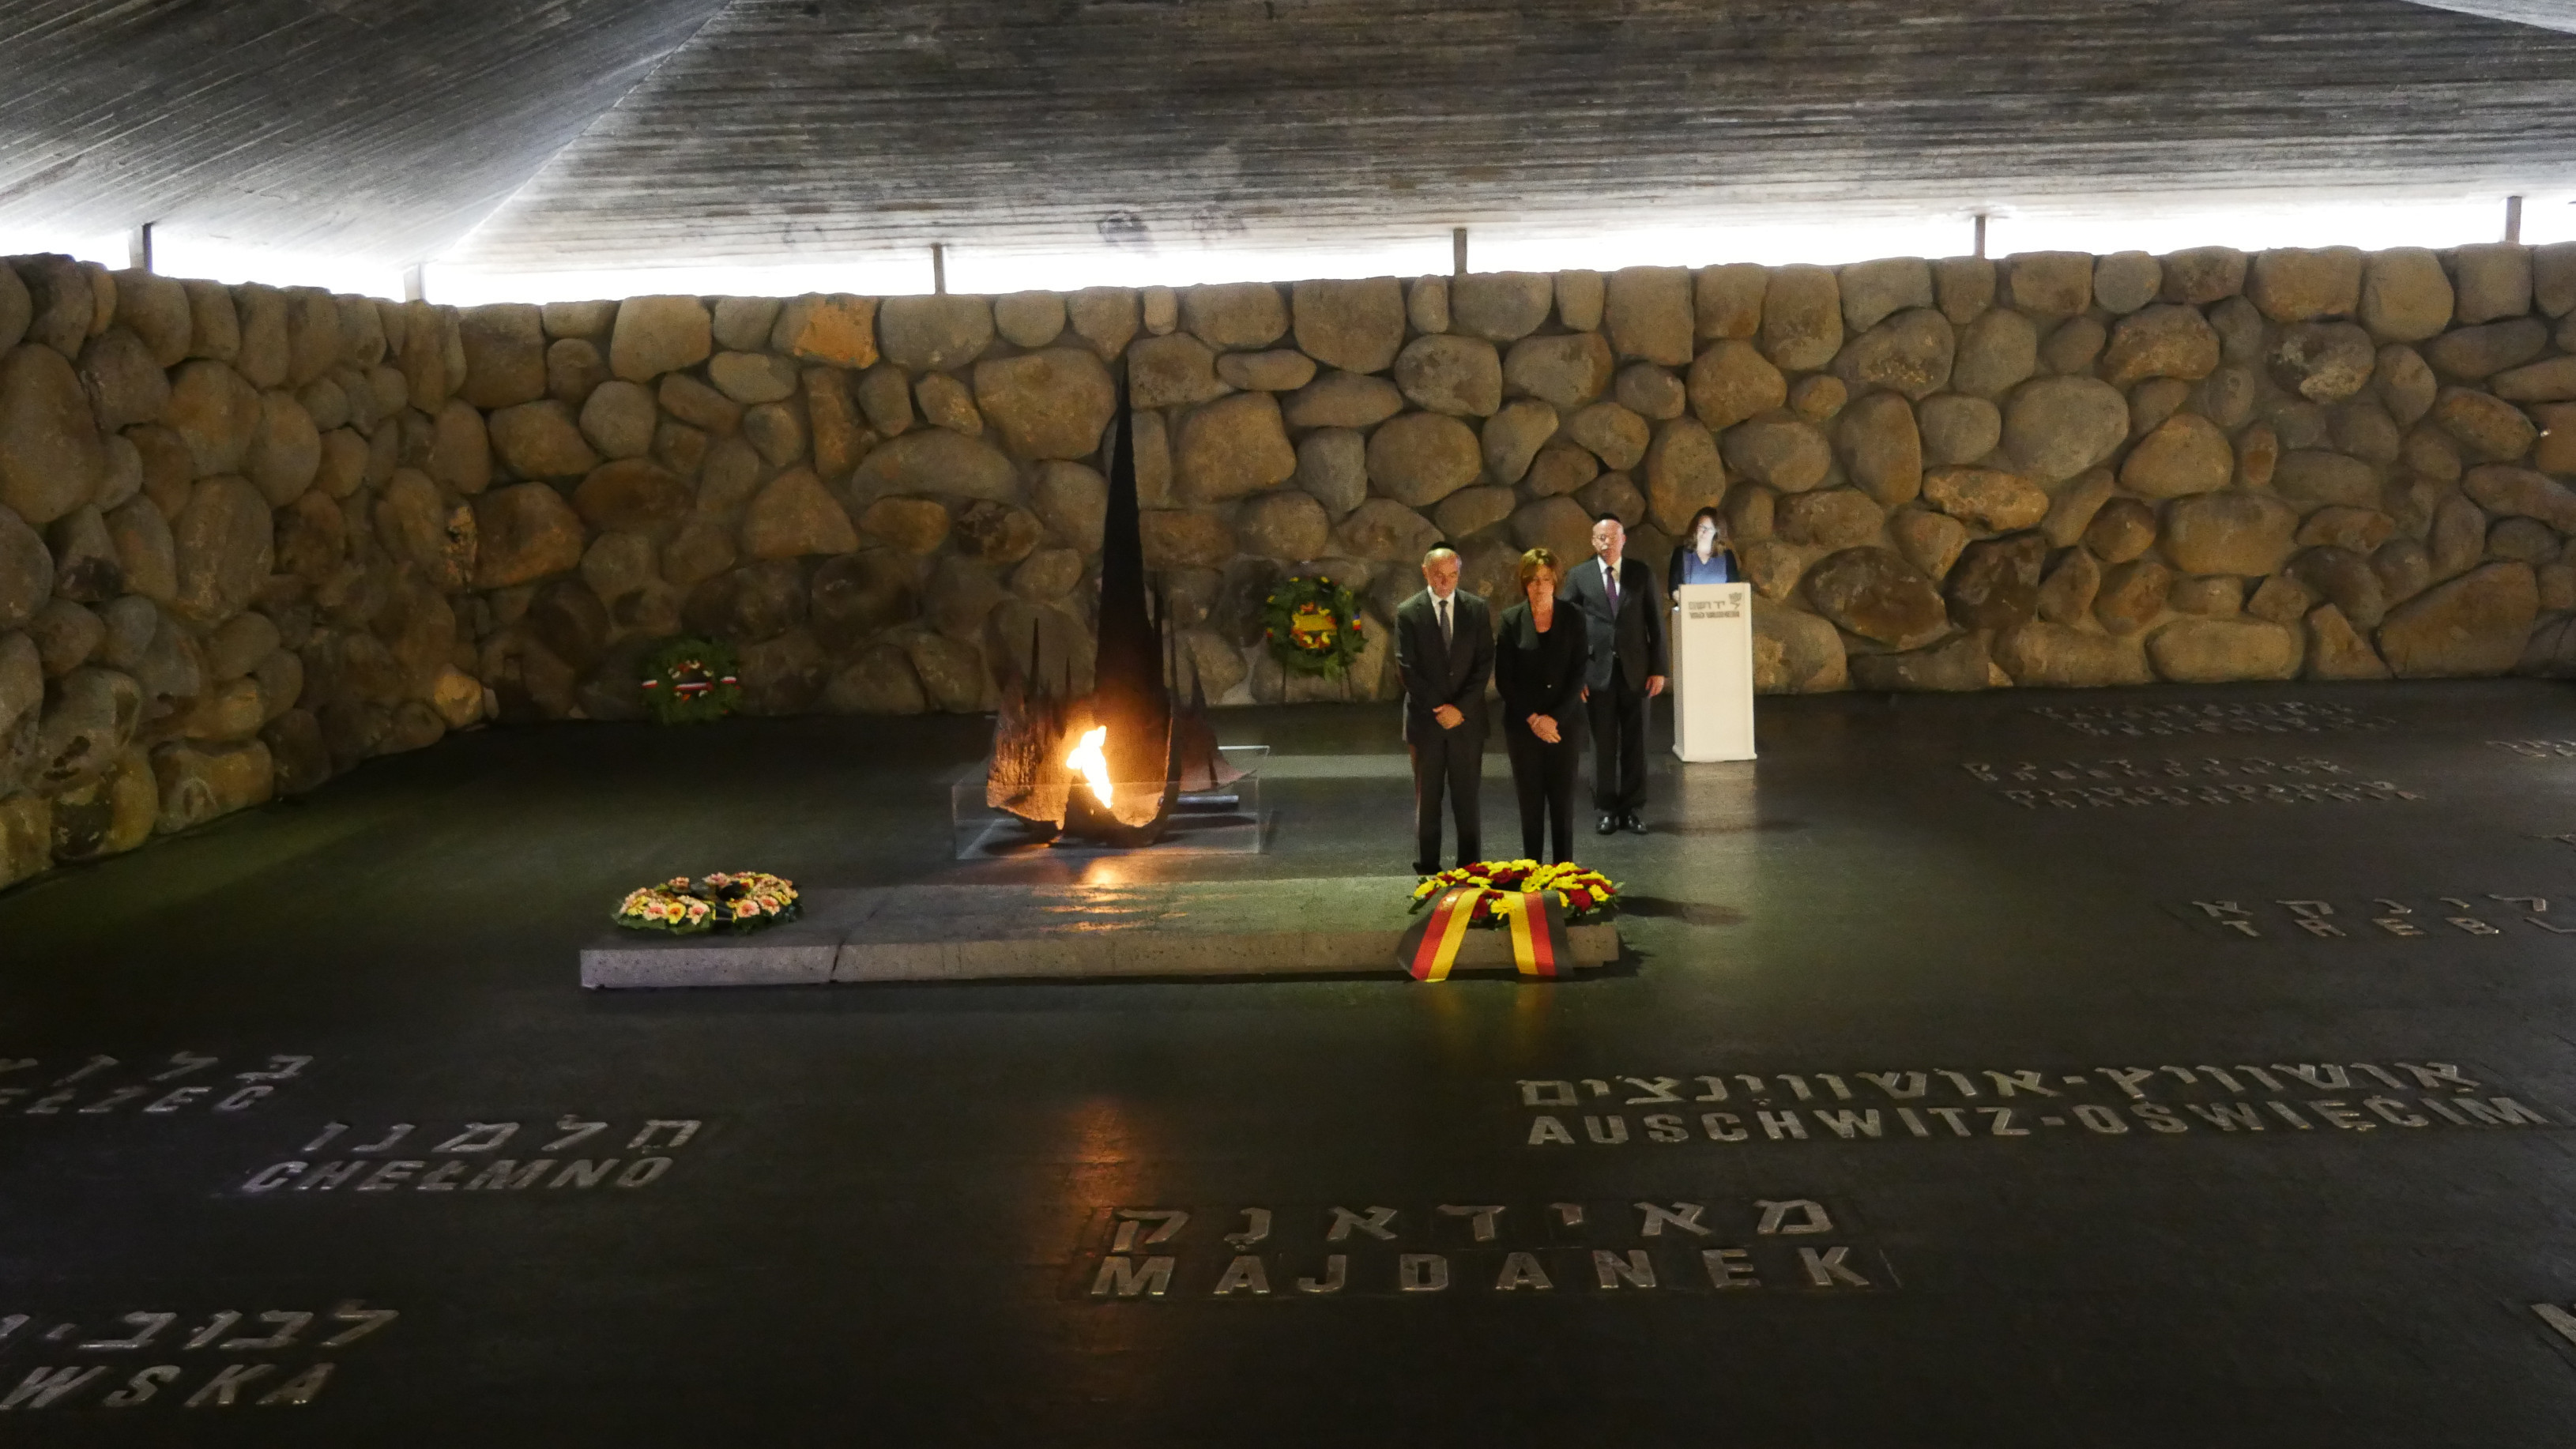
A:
1444,621
1610,581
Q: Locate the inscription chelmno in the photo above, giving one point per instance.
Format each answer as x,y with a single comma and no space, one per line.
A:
2480,916
2079,784
574,1154
1625,1247
177,1358
2139,721
104,1086
1940,1104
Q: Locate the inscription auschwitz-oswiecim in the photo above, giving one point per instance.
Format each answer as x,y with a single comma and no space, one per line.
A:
465,1161
2376,918
103,1086
95,1367
2242,1098
2250,781
2141,720
1619,1246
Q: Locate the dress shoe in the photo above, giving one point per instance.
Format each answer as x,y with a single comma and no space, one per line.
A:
1632,824
1609,825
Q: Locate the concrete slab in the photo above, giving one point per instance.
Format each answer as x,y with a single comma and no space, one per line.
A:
1216,929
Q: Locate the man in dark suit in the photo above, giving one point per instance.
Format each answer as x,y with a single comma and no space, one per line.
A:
1623,615
1444,651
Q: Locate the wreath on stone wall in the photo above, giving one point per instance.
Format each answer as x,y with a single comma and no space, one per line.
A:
738,901
1585,891
692,681
1313,626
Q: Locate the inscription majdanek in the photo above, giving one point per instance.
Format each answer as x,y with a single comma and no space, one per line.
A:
1624,1247
2077,784
2376,918
1945,1105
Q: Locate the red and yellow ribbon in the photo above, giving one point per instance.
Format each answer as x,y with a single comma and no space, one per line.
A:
1536,919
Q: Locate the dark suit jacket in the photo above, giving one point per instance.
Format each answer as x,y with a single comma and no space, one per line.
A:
1632,641
1437,672
1673,573
1542,673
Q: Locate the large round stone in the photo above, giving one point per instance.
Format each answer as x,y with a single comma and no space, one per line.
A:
655,335
1829,518
1420,458
1995,352
1051,404
2120,530
935,460
2055,656
1280,370
2405,295
2162,341
1794,652
1957,429
2323,361
1512,437
2469,353
837,330
2487,427
933,334
632,493
1876,594
1995,583
2057,427
1288,524
618,418
2476,624
1353,325
1882,449
1231,447
1610,433
26,571
2183,455
505,354
2222,651
2049,284
51,458
125,384
225,544
1340,400
752,378
2295,284
1647,313
1733,381
1500,306
524,533
1559,525
1874,291
1184,538
1802,317
1909,353
1462,376
1684,474
1172,371
2231,532
1568,371
1986,497
1073,501
285,449
1469,511
794,515
861,594
1789,454
2314,478
541,440
1029,319
1332,465
1237,316
916,525
2494,280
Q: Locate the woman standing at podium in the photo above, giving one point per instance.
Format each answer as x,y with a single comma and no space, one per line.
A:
1703,557
1538,667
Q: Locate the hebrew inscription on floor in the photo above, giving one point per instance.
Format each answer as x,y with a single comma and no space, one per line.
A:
178,1358
2079,784
97,1086
1945,1105
1627,1247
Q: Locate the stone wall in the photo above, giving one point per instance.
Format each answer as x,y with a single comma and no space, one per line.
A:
250,537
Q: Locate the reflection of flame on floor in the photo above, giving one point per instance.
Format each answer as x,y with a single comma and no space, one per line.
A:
1092,761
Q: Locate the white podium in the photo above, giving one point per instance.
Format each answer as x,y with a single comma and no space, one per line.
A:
1712,649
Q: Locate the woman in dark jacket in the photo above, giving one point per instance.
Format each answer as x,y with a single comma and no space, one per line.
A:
1703,557
1538,667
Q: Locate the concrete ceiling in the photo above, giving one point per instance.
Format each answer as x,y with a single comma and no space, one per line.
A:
608,133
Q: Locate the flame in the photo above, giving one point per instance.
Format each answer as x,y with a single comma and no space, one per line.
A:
1088,757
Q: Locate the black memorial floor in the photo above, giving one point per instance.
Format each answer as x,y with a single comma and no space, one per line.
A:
2144,1068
